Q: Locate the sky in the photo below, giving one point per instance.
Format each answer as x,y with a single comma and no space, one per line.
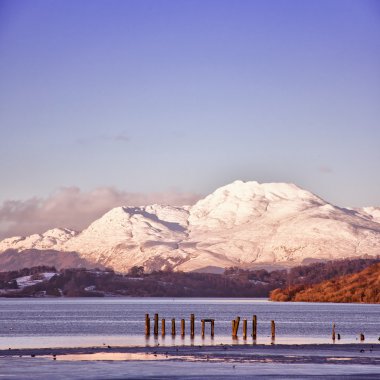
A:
113,102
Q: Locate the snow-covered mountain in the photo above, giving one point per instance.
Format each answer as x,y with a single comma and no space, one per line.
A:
241,224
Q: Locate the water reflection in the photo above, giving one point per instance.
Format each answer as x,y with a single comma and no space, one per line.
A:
111,356
26,323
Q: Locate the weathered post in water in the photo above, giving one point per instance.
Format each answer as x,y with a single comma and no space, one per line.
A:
182,327
273,330
254,327
212,327
156,324
244,329
235,327
203,328
147,325
192,318
173,327
163,332
333,331
362,337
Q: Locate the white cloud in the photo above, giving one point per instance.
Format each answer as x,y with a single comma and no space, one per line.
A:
75,209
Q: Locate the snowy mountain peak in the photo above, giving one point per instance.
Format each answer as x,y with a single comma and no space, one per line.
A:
240,202
50,239
271,191
242,224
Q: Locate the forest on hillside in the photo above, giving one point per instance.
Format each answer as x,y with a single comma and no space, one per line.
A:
363,286
234,282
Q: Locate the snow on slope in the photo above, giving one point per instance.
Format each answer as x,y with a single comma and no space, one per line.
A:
250,223
243,223
25,281
52,239
127,236
372,212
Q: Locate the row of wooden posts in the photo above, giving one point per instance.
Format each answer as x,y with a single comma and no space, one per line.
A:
163,326
335,335
235,327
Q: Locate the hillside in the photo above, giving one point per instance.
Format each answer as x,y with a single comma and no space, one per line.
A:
243,224
363,286
45,281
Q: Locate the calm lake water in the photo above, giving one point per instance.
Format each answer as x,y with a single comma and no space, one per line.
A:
120,321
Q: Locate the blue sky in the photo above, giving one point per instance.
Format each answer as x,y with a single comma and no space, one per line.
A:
149,96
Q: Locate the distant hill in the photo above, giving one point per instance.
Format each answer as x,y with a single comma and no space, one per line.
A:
243,224
363,286
45,281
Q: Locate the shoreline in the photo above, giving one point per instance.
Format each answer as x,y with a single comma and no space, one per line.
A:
197,349
357,361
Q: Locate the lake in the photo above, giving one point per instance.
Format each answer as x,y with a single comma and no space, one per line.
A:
69,322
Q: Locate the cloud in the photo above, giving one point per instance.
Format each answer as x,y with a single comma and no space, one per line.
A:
325,169
120,137
72,208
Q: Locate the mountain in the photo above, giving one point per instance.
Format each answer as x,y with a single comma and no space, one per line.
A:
359,287
372,212
242,224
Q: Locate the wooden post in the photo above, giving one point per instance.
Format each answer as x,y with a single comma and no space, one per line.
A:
192,318
237,326
156,324
182,327
147,325
244,329
254,327
362,337
173,327
212,327
203,328
273,330
333,331
163,327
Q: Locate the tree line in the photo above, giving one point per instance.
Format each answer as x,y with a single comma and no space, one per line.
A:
234,282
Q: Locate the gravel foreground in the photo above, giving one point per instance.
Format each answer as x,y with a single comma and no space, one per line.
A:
327,361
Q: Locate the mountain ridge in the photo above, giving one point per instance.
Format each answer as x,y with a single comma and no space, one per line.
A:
240,224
